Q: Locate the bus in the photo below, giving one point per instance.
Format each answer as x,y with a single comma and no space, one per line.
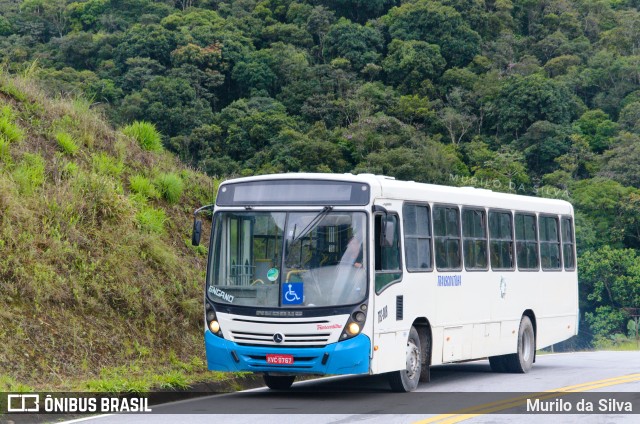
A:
332,274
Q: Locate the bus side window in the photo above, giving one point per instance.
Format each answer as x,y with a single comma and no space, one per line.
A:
549,243
417,237
501,238
526,241
446,229
387,251
567,244
474,233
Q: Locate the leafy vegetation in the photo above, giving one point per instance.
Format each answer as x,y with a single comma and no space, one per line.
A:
527,96
90,278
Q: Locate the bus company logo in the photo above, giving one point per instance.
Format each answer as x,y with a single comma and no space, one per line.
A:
23,403
327,327
222,294
449,280
278,337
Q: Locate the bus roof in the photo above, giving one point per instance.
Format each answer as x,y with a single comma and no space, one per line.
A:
390,188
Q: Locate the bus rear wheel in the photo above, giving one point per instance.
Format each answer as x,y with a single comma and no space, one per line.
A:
521,361
278,382
406,380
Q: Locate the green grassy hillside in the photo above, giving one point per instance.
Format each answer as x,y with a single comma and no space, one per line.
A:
98,279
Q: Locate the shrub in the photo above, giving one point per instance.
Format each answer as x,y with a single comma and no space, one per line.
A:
5,155
104,164
143,186
170,186
69,170
151,219
145,134
8,128
67,143
29,174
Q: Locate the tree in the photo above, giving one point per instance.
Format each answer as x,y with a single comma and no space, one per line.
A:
596,127
525,100
152,41
542,143
430,21
430,162
611,277
601,200
357,43
409,63
170,103
622,162
630,117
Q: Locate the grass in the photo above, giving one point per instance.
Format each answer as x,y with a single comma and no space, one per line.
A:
145,134
98,289
9,130
143,186
170,186
29,174
151,219
105,164
66,143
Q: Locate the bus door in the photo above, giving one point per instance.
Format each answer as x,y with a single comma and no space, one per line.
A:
388,313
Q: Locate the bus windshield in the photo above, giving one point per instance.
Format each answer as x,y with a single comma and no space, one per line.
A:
288,259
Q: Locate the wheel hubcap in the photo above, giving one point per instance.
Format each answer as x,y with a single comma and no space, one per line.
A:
527,342
413,359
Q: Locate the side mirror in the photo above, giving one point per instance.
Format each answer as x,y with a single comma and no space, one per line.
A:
197,232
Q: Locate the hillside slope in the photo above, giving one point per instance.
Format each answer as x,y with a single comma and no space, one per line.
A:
98,279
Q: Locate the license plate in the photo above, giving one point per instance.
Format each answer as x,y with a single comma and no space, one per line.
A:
278,359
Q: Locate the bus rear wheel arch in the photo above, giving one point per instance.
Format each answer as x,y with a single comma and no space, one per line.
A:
521,361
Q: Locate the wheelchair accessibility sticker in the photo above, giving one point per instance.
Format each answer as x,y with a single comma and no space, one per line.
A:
292,293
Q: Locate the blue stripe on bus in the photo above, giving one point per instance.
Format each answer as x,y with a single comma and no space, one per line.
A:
346,357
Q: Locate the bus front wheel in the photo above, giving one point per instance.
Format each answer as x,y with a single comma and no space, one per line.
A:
406,380
278,382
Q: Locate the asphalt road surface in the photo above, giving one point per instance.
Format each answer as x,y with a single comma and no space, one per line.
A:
606,380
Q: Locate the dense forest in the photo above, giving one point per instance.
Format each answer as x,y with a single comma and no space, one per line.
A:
537,97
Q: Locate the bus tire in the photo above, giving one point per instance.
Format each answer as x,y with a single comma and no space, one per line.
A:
278,382
425,370
406,380
522,361
497,363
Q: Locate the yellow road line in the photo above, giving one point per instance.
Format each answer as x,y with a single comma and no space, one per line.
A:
474,411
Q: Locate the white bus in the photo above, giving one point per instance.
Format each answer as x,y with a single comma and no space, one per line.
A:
363,274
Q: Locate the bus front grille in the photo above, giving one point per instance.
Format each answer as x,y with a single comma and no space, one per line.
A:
290,339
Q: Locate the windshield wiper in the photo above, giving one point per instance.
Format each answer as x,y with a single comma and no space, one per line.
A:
311,225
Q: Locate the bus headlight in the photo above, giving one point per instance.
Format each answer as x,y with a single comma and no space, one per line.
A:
214,326
353,329
355,323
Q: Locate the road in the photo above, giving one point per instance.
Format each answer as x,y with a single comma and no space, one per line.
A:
596,375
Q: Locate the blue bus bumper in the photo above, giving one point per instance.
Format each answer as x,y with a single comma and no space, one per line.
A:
346,357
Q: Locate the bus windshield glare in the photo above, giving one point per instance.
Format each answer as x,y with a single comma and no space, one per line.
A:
288,259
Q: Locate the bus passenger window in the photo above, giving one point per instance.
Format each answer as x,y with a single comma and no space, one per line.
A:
446,229
549,243
526,241
501,236
474,233
417,237
567,244
387,251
